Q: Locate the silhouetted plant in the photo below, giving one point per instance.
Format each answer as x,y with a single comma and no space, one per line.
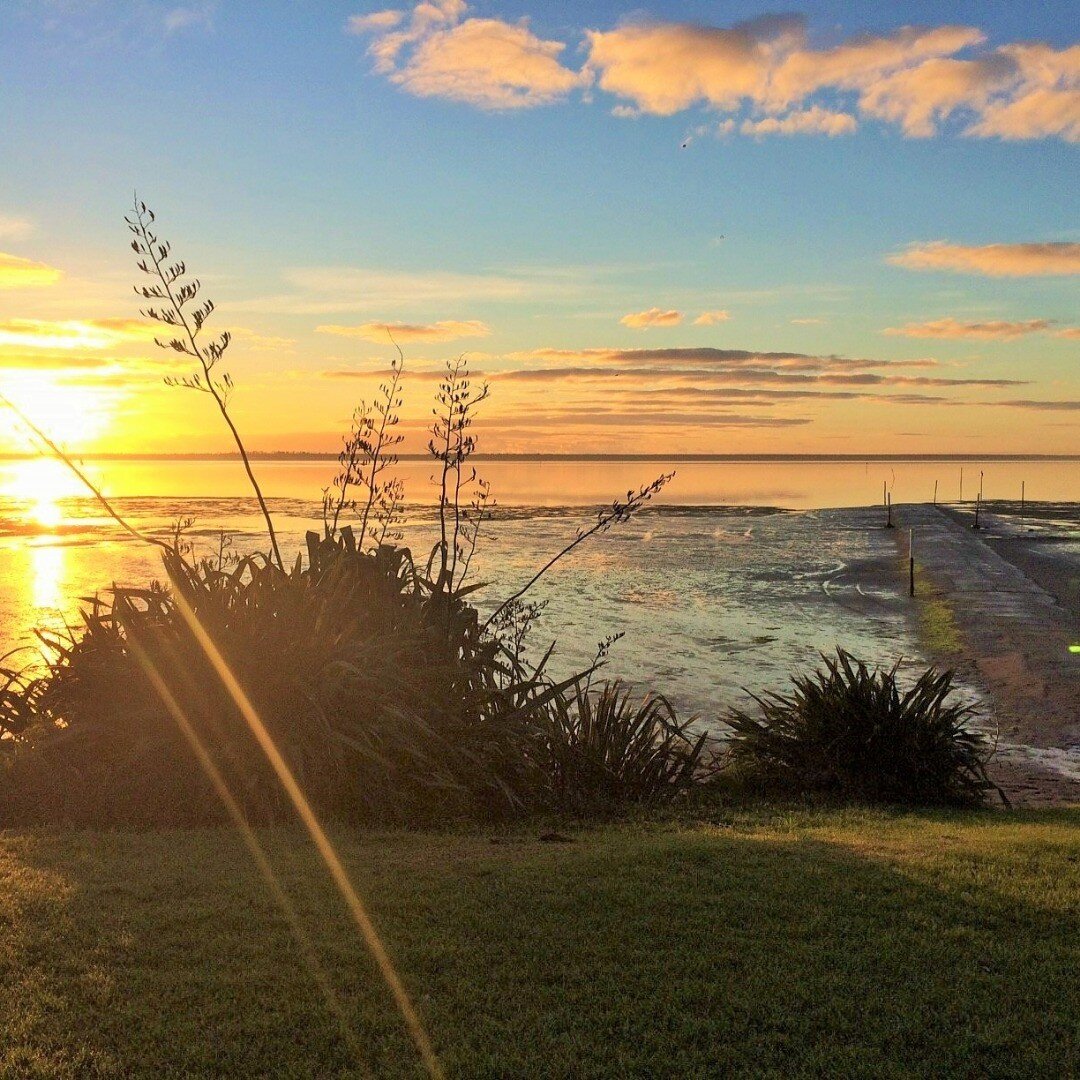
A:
370,449
177,293
850,732
603,748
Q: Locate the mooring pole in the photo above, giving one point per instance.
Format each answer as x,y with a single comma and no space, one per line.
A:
1022,493
911,561
888,511
961,483
935,493
978,504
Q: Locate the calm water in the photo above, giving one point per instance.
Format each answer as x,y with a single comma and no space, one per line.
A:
740,574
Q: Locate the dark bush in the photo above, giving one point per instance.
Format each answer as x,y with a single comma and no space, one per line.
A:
602,748
851,733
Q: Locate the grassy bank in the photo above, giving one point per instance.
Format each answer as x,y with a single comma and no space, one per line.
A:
760,943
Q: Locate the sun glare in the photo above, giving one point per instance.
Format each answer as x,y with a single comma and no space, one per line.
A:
42,483
71,414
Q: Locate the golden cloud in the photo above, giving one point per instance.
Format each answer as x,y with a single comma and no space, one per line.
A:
710,318
71,334
911,76
997,330
812,121
484,62
992,260
16,273
444,330
642,320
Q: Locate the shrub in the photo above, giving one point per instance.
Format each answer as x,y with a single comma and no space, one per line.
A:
851,733
601,748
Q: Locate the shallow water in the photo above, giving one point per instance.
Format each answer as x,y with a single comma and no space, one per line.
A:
714,599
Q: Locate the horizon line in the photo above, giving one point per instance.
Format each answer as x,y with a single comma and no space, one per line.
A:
319,455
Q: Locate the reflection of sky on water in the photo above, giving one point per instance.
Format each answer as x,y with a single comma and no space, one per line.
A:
712,599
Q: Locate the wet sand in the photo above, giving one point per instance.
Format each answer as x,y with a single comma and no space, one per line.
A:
1000,606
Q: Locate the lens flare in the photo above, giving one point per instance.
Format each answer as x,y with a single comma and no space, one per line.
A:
319,837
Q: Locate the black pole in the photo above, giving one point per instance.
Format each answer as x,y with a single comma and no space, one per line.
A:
911,561
978,504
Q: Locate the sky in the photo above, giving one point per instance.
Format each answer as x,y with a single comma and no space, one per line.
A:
699,227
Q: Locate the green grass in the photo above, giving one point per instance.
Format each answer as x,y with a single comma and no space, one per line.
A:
757,943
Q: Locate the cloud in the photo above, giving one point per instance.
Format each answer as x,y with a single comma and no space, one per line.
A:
16,273
13,228
911,77
1072,333
665,68
1041,406
1045,100
444,330
808,322
642,320
812,121
710,318
761,75
488,63
184,18
93,334
998,330
707,356
375,22
992,260
918,99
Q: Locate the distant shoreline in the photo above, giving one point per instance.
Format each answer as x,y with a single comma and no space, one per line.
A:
302,455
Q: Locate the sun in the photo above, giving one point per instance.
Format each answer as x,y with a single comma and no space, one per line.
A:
70,413
42,483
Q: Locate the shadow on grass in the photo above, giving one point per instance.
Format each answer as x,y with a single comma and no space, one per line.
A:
746,950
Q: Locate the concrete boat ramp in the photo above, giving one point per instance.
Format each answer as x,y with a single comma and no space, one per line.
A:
1011,638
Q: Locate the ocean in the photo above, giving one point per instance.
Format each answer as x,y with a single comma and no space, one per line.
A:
737,575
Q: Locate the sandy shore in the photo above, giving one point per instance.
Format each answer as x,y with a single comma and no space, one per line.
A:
1000,606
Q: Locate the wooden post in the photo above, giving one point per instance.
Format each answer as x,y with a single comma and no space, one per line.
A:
884,494
935,493
911,561
980,483
978,504
888,511
961,483
1022,494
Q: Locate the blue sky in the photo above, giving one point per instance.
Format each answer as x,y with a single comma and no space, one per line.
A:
510,184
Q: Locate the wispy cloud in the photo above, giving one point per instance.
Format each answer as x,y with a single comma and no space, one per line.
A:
992,260
444,330
995,330
1042,406
17,273
812,121
14,228
189,16
92,334
642,320
710,318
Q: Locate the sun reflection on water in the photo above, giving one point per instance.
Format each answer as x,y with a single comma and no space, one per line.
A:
46,577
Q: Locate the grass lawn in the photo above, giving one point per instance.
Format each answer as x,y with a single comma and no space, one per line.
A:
759,943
